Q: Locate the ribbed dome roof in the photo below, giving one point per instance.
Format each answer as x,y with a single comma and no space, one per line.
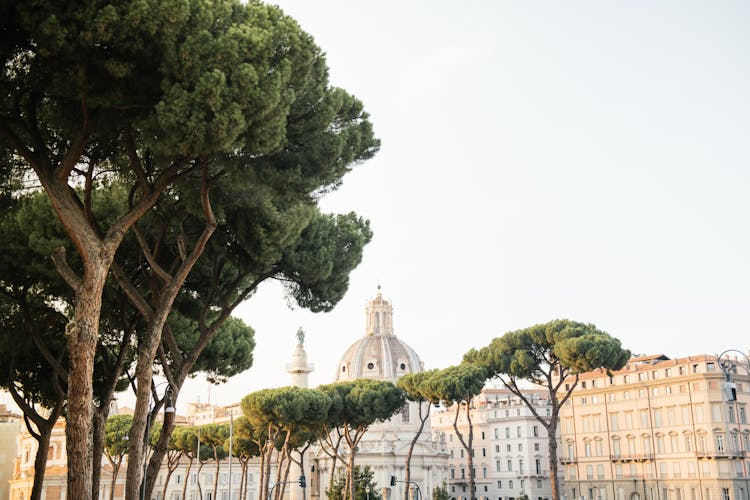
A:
379,354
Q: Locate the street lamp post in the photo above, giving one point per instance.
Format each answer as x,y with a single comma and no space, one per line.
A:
168,409
729,388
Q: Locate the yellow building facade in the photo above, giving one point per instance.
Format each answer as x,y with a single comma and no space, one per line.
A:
659,429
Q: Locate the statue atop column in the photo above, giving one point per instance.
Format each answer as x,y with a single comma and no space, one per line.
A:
300,336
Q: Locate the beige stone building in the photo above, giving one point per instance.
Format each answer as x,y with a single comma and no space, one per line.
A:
659,429
10,426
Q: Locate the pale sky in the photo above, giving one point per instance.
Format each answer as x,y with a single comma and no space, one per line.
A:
583,159
539,160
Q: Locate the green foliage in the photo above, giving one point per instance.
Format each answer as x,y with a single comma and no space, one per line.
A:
361,402
214,436
529,353
245,442
286,408
455,384
523,496
228,353
116,435
441,492
363,478
416,386
185,439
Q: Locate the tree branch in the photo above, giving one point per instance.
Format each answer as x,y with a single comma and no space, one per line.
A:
131,292
155,267
135,162
77,146
61,264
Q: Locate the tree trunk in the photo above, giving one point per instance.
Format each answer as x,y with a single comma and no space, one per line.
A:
413,443
267,471
216,476
243,482
350,473
198,479
466,445
138,438
82,334
172,465
187,478
100,419
279,482
40,461
469,451
161,447
115,471
552,444
286,460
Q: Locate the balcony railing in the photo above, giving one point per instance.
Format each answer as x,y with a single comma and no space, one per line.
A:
632,457
711,454
541,474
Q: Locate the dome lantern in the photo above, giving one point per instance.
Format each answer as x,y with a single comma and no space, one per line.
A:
379,354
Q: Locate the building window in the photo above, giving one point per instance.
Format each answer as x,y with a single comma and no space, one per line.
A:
688,443
520,446
616,446
499,485
719,443
405,413
536,431
536,446
484,472
613,422
510,465
538,464
657,417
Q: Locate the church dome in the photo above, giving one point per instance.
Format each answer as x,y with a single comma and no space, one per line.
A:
379,354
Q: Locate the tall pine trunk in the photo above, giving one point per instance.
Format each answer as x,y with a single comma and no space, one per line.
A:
161,447
82,335
422,422
100,419
187,478
552,444
115,471
40,461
